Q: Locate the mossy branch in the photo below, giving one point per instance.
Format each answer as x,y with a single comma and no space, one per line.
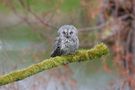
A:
82,55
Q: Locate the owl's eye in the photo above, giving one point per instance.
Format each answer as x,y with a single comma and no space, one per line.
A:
64,32
71,32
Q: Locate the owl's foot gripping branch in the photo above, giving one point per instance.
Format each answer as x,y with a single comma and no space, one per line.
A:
82,55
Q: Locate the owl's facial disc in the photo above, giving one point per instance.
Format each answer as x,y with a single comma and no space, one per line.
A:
67,31
70,32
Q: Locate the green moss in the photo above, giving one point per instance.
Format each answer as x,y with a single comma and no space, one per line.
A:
82,55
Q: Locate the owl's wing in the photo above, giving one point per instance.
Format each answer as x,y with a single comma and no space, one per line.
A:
57,48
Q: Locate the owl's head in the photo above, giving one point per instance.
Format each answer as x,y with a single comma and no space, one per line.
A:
67,31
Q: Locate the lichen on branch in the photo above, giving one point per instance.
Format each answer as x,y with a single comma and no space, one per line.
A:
82,55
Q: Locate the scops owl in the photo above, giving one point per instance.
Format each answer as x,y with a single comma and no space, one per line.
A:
67,41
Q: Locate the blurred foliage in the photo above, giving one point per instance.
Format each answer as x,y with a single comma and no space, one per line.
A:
42,5
27,32
20,33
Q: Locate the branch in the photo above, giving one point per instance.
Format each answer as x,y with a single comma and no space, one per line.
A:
82,55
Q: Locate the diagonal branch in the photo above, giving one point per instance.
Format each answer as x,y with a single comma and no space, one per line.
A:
82,55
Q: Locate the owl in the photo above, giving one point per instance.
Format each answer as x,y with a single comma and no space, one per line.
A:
67,41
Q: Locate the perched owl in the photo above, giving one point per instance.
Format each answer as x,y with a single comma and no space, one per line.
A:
67,41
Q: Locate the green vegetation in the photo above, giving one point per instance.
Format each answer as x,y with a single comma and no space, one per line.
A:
20,33
82,55
41,5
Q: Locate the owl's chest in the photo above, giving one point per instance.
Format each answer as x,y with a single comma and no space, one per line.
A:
68,44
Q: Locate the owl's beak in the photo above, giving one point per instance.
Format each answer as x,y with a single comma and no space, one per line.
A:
67,36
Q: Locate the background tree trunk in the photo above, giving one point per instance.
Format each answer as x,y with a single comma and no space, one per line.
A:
122,13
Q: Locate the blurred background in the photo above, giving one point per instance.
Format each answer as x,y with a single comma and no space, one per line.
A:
28,29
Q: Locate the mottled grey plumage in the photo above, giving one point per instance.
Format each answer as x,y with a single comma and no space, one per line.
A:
67,41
